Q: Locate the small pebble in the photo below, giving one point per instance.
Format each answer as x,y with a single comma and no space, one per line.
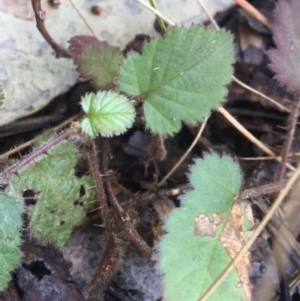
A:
96,10
54,3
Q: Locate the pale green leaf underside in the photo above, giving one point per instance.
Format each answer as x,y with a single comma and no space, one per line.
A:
108,113
10,225
182,76
190,263
63,198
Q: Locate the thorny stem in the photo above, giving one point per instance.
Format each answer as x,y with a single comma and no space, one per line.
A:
40,16
111,257
114,224
284,288
148,196
6,175
124,217
262,190
289,140
106,269
94,167
30,142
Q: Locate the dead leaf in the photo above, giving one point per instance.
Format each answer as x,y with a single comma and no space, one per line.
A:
205,227
233,241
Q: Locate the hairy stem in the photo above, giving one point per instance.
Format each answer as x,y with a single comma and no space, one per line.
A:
106,269
6,175
94,167
137,240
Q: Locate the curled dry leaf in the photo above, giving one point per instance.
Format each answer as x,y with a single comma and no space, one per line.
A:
233,240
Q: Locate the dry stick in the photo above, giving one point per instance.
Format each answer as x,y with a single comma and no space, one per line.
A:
289,140
6,175
156,12
147,197
212,20
94,167
255,235
40,16
112,256
284,288
246,133
107,267
253,12
91,29
262,190
274,102
30,142
159,19
282,234
137,240
184,155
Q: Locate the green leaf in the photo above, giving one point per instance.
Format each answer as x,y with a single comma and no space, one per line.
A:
96,60
63,198
10,225
182,76
191,255
108,114
285,60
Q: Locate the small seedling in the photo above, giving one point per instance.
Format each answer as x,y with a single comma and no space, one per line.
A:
172,79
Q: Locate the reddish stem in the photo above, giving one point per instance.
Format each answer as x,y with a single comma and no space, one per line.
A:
6,175
40,16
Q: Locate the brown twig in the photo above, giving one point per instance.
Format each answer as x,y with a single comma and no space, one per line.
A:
147,197
111,257
6,175
253,12
30,142
106,269
116,222
94,168
137,240
289,140
262,190
40,16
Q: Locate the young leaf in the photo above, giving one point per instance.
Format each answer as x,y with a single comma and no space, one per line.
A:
96,60
197,247
181,75
108,114
63,199
10,225
285,60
